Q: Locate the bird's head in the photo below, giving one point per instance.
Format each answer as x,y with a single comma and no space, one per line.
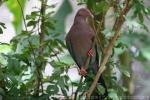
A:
83,12
83,15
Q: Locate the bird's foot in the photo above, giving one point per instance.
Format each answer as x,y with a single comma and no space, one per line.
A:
82,72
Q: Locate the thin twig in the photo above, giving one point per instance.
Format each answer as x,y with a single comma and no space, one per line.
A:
55,53
25,24
22,15
30,44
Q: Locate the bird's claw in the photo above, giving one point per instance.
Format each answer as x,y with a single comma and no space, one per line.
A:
82,72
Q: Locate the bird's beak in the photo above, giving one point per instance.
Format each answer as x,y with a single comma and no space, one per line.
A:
89,19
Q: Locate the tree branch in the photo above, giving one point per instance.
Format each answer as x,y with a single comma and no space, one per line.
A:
120,20
41,50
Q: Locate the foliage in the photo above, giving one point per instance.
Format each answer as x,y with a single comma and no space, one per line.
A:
23,61
22,66
130,37
2,25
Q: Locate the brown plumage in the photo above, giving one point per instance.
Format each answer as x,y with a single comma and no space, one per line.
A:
80,38
79,41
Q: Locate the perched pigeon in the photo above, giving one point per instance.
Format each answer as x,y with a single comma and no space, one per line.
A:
79,43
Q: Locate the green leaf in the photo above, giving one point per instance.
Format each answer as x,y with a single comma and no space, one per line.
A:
32,23
14,66
33,15
52,89
49,24
124,89
141,57
91,4
5,48
67,59
80,2
15,9
51,6
113,95
58,64
1,31
101,7
64,92
146,52
101,89
43,97
141,18
132,23
125,72
61,83
3,25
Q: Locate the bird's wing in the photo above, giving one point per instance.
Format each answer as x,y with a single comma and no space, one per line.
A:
94,61
71,50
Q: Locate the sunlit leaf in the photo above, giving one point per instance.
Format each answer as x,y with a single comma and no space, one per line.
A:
5,48
113,95
125,72
101,89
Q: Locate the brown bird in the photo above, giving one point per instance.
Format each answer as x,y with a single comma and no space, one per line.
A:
80,38
79,43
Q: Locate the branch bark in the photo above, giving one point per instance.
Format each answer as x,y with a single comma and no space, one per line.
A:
117,26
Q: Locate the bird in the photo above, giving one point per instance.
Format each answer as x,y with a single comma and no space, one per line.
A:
79,44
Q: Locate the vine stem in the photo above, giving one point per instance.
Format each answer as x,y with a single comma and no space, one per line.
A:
30,44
